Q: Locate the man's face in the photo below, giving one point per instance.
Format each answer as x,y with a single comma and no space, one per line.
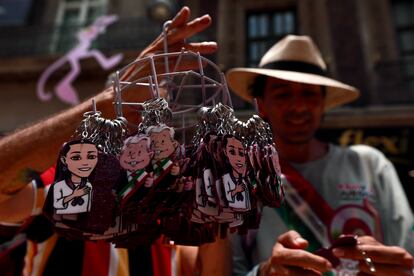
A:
236,155
136,156
81,159
294,110
162,144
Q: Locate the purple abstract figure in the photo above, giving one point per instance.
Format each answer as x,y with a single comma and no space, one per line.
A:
64,89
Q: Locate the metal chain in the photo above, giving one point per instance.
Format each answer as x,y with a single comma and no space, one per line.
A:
107,135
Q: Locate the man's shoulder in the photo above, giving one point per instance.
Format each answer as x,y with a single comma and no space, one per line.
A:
360,149
367,151
369,154
357,153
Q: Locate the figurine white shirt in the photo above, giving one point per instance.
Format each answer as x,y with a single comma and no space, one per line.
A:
234,203
61,190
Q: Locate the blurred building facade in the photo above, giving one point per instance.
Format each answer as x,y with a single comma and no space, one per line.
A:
368,44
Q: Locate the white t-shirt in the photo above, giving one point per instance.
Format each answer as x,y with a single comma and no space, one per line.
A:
345,177
241,203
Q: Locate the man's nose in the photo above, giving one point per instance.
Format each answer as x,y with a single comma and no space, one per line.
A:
299,103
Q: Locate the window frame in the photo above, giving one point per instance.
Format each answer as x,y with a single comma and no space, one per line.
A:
271,37
83,20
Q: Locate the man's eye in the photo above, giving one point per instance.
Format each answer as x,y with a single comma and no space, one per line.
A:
281,95
75,158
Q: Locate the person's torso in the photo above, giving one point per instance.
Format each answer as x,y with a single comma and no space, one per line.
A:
346,185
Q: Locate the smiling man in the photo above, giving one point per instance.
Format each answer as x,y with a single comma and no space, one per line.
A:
293,92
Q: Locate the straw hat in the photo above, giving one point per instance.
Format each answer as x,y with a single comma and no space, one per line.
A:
296,59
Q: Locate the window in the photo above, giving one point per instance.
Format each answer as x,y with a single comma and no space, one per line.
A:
71,16
14,12
402,12
264,29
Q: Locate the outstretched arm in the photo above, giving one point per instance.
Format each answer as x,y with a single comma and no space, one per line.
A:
36,147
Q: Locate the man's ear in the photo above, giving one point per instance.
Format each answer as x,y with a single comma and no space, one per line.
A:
151,154
260,108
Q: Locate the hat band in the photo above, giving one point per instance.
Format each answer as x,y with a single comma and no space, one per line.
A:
296,66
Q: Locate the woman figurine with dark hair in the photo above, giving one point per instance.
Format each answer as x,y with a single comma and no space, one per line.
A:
72,190
234,181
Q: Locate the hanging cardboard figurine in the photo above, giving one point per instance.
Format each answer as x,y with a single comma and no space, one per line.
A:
164,146
165,164
72,190
135,158
234,181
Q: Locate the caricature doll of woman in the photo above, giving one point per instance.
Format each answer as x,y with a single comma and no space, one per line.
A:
72,190
234,181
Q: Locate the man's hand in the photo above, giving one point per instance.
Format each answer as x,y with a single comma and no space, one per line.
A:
178,32
180,29
387,260
290,258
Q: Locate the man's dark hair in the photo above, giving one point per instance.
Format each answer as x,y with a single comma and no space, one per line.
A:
258,86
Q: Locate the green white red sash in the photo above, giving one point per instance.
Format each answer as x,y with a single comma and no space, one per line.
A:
307,203
320,218
136,180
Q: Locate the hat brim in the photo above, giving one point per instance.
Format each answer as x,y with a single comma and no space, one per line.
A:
240,81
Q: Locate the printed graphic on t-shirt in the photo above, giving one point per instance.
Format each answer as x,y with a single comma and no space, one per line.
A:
352,193
356,219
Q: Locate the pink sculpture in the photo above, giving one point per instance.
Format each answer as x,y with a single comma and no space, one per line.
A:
64,89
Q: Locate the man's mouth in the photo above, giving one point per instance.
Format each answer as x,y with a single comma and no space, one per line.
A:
134,163
298,121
